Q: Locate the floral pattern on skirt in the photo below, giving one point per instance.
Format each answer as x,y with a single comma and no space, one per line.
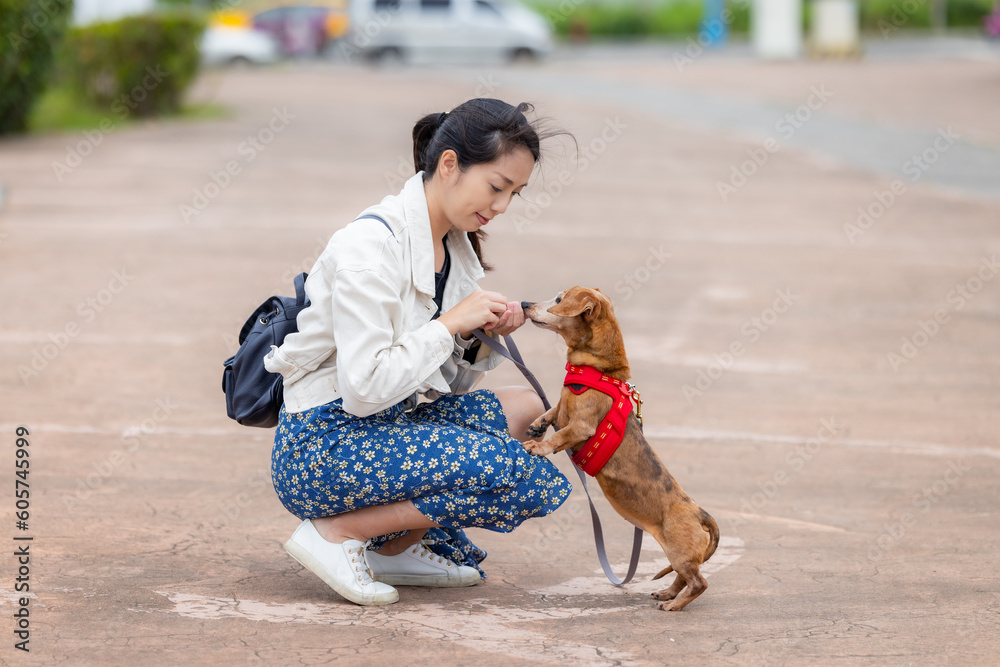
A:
453,457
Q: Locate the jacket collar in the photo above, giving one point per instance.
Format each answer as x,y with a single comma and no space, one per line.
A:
418,222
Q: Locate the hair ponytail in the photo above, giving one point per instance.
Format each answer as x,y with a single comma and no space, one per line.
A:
423,132
479,131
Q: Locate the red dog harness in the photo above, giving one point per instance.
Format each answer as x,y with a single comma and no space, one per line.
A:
611,431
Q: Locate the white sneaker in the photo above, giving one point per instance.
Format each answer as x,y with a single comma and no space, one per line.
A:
418,566
341,566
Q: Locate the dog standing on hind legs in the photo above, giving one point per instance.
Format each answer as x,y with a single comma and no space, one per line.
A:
633,479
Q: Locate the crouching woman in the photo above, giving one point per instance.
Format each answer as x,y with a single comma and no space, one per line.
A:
383,449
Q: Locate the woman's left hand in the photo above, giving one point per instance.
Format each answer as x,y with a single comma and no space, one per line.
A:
510,321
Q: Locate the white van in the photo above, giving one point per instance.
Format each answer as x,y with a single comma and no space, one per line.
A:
447,30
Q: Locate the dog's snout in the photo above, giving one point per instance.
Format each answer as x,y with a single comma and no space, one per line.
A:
525,305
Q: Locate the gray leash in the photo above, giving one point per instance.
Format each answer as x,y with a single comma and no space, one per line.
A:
602,555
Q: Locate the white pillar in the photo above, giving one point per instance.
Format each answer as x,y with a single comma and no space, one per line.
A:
834,27
776,28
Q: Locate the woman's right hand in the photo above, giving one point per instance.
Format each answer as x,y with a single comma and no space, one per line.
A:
479,309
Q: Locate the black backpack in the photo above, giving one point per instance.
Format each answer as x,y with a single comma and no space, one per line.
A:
254,394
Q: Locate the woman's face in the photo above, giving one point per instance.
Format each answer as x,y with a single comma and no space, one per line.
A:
485,190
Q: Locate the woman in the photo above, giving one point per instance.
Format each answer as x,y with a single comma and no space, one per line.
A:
384,483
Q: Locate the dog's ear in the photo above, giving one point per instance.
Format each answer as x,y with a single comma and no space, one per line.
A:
578,301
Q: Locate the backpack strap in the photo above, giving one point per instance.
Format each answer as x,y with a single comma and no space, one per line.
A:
372,215
300,290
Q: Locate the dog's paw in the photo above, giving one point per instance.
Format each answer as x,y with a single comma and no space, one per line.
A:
668,606
665,595
538,428
536,447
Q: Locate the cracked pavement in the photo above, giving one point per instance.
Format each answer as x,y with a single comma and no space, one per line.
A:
856,494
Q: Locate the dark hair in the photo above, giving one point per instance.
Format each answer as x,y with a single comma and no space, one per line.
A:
479,131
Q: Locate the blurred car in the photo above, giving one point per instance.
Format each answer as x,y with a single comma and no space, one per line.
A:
230,18
232,45
449,30
301,29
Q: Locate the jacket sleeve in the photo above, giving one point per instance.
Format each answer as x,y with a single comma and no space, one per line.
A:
375,370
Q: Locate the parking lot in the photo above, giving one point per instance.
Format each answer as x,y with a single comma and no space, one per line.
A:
803,259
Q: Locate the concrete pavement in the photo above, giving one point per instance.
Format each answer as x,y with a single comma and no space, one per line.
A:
848,450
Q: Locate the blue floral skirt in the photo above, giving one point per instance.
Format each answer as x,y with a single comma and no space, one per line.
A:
453,457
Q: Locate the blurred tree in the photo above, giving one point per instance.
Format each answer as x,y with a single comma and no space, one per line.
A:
30,33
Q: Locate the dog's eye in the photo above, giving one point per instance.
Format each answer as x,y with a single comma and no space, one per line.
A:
558,299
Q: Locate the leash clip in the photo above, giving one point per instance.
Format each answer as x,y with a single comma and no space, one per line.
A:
634,393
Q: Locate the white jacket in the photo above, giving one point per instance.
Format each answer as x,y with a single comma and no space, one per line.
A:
367,335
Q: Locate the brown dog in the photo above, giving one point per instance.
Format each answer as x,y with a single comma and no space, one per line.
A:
634,480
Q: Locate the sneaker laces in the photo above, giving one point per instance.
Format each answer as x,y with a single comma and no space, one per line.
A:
421,551
359,552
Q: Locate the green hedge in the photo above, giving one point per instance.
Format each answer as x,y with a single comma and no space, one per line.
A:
968,12
139,65
879,15
30,32
624,19
675,18
672,18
